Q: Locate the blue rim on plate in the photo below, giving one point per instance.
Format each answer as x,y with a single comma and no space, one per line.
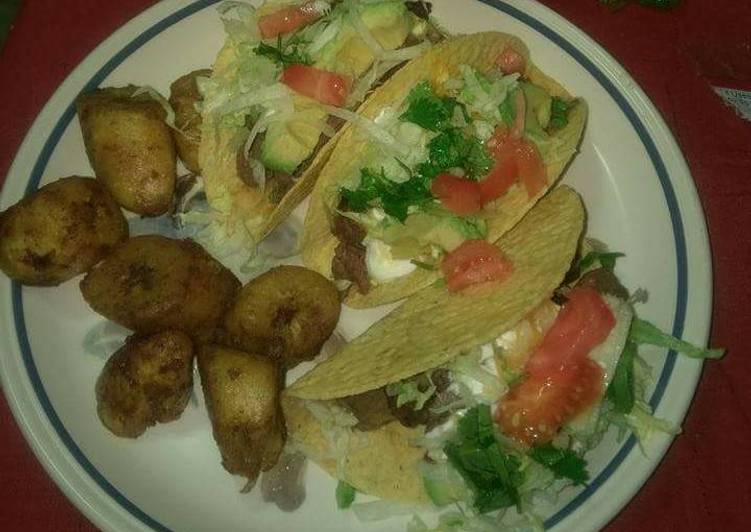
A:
552,35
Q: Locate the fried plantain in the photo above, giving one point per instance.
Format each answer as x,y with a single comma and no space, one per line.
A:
147,381
151,283
242,398
287,312
60,231
130,147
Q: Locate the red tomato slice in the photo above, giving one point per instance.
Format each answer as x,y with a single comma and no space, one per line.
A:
288,19
502,176
321,85
533,411
515,158
584,322
562,381
474,262
510,61
459,195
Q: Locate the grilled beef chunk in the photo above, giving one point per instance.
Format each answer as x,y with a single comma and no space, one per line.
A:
370,408
349,256
409,417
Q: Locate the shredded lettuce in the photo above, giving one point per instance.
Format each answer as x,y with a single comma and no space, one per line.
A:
379,510
482,96
407,391
643,332
345,495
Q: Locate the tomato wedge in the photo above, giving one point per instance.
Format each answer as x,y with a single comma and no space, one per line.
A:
562,381
511,62
514,158
460,196
474,262
321,85
288,19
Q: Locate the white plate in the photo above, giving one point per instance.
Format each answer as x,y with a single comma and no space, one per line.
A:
640,197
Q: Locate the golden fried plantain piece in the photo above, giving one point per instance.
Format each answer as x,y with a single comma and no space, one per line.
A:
147,381
130,147
288,312
183,98
151,283
242,398
60,231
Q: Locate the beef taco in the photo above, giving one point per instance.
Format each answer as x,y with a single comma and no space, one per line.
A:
287,78
458,145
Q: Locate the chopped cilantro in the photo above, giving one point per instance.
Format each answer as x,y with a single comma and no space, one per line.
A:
558,113
284,53
606,260
345,495
563,462
493,475
426,109
376,189
454,149
620,391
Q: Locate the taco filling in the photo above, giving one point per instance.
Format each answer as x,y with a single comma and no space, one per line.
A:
285,82
454,151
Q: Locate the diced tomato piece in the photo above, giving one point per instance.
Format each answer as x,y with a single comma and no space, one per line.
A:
534,411
321,85
561,380
510,61
502,176
474,262
584,322
515,158
288,19
460,196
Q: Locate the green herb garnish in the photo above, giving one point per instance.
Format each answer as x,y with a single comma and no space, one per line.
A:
493,475
455,149
426,109
508,110
376,189
621,391
284,54
558,113
345,495
563,462
606,260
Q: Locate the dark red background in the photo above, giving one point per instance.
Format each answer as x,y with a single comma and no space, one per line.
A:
703,482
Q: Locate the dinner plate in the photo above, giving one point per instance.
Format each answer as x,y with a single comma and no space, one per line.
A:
640,199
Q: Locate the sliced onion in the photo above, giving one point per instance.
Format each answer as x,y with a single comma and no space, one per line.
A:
371,128
161,100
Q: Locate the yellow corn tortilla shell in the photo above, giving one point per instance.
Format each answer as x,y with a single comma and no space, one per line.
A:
430,329
437,65
244,207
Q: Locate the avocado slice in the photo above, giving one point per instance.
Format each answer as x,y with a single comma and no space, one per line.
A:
288,144
421,229
538,104
389,22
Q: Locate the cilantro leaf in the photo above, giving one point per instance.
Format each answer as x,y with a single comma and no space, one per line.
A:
426,109
563,462
454,149
394,198
494,476
284,53
345,495
643,332
558,113
606,260
620,391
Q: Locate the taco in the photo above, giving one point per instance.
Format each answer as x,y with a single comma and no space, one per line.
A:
490,395
283,84
457,145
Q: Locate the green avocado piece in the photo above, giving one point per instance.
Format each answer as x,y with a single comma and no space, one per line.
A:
288,144
421,229
538,104
389,22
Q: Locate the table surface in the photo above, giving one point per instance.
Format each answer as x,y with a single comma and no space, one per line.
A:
703,482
